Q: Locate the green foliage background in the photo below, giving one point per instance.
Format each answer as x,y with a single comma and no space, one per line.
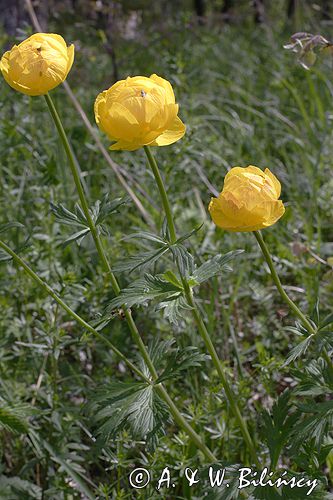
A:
244,101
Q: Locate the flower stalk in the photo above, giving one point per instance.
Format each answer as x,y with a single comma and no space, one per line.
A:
94,231
158,387
293,307
163,194
114,283
197,317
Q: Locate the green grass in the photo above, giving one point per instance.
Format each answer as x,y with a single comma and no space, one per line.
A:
244,101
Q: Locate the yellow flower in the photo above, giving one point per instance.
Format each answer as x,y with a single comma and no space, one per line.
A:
139,111
249,200
38,64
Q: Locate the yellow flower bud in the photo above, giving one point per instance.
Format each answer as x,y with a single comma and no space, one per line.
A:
139,111
38,64
249,200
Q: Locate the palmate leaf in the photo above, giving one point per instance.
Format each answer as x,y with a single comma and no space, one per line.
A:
316,427
299,349
180,360
313,379
149,257
172,360
173,308
278,426
143,290
214,266
13,417
65,216
99,212
167,288
141,260
104,208
134,406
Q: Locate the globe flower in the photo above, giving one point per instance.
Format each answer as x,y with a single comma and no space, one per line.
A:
38,64
249,200
139,111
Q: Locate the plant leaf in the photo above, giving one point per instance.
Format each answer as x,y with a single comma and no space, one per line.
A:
134,406
10,225
15,487
315,427
13,418
140,260
173,308
180,360
326,321
76,237
65,216
278,426
299,349
214,266
143,290
103,209
183,259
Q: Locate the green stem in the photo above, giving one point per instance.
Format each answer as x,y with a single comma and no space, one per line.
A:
160,389
16,258
106,265
184,424
95,234
278,283
163,194
200,324
218,365
306,323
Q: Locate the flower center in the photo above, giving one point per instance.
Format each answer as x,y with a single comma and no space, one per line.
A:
143,93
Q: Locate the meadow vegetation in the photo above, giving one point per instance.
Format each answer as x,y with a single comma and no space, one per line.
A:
245,101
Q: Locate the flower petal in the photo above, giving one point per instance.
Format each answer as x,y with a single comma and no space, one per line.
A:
275,182
126,146
173,134
169,94
70,55
38,64
249,200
